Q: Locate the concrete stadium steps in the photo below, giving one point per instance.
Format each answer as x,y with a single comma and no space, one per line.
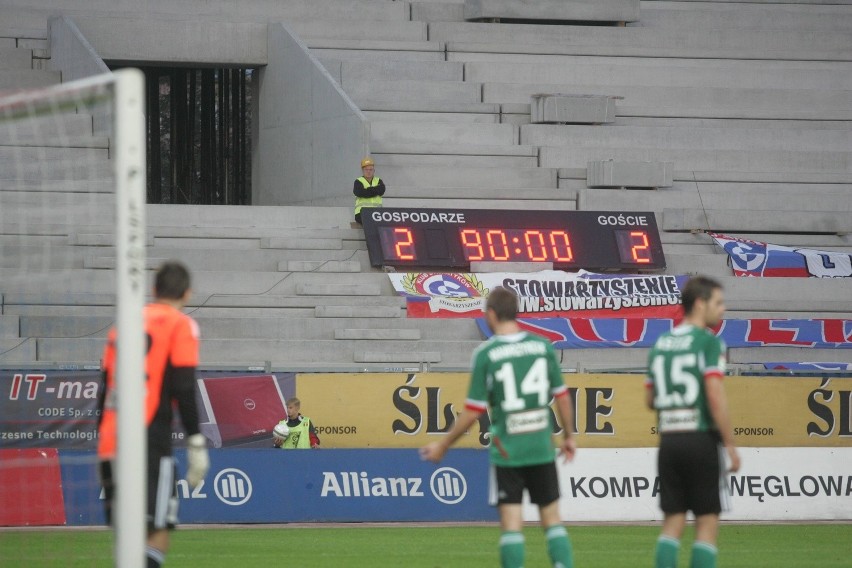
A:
754,197
703,138
490,177
9,327
752,354
15,79
713,265
694,102
273,328
425,11
375,95
777,221
402,31
634,71
40,303
451,353
56,186
376,50
20,350
212,259
449,160
14,58
453,117
59,127
438,132
55,163
294,10
493,202
247,218
78,281
715,15
392,70
766,165
453,193
647,42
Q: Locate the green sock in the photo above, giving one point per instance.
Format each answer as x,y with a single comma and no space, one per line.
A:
559,547
512,550
667,549
703,555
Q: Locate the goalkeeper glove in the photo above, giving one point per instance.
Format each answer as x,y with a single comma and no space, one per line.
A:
198,458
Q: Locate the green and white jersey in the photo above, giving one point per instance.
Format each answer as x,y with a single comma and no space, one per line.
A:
678,365
517,376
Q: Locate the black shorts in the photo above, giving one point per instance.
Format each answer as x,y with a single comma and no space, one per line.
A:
507,484
690,467
162,504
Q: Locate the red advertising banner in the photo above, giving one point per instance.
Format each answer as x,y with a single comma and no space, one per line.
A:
31,477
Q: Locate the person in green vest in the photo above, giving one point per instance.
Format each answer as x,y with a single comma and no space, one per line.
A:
368,188
303,435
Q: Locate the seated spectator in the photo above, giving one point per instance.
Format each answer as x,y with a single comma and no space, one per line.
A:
303,435
368,188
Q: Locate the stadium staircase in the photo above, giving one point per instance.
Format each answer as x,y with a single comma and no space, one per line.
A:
752,102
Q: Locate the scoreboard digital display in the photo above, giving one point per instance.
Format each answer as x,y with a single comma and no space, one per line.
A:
453,238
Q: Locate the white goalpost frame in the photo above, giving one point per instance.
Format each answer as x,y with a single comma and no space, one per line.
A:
130,174
128,148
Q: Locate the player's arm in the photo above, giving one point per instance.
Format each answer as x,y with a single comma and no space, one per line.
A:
435,451
183,361
649,384
717,401
562,397
474,406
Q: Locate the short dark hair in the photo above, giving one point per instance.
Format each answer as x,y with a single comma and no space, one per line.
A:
172,281
698,287
504,303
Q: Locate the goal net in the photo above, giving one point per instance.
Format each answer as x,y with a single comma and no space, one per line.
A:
72,264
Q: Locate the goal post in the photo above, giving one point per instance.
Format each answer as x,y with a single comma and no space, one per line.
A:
130,172
66,152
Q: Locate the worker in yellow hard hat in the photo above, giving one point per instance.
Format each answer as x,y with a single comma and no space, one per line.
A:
368,188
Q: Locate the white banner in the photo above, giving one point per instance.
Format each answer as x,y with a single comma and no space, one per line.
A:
773,484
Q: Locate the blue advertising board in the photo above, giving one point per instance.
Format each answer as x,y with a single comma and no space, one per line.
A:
276,486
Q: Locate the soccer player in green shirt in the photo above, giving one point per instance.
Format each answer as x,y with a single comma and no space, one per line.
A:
684,386
516,375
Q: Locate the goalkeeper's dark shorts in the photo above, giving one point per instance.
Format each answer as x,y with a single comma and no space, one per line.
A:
691,477
162,507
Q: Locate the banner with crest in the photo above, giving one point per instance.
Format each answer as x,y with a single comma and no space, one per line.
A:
544,294
755,258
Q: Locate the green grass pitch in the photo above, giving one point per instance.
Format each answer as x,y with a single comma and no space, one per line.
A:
752,546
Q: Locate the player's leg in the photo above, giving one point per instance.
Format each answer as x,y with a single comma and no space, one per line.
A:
162,507
704,550
705,498
108,484
543,484
672,499
506,488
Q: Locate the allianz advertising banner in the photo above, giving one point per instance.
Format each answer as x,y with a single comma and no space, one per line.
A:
276,486
407,411
786,484
601,484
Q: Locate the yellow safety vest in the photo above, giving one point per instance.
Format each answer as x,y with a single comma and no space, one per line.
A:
300,436
368,201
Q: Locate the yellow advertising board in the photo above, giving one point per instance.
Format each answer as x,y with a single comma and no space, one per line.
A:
409,410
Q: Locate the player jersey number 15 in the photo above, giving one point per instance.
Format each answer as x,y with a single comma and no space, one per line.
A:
534,382
678,375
